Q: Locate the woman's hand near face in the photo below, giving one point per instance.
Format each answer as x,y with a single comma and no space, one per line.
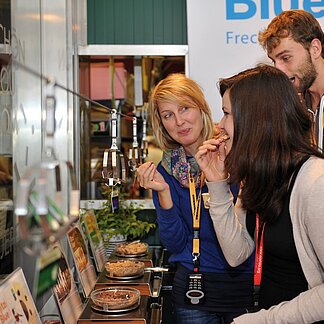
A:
210,157
150,178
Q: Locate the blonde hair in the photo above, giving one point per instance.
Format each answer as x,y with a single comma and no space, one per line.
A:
183,91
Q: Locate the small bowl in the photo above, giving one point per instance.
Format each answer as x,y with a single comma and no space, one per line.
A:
115,298
124,268
132,248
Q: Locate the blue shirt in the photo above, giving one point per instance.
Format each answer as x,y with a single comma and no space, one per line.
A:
176,232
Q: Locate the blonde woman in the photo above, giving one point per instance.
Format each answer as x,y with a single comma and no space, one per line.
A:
181,121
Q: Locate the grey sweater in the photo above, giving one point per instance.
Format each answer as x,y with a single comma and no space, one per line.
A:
307,216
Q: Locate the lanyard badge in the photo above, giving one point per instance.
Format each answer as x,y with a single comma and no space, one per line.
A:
195,209
259,250
195,293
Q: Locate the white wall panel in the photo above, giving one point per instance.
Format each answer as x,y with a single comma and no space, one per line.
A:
222,38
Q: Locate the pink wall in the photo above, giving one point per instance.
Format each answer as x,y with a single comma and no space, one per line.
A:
100,85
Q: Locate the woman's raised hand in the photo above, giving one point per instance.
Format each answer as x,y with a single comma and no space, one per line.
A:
150,178
210,158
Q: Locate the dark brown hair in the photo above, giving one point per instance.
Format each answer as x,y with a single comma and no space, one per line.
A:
300,25
272,133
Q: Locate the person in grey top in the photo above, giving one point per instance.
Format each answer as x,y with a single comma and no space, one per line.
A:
267,147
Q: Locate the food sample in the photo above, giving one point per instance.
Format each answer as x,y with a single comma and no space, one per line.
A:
221,135
124,268
117,298
132,248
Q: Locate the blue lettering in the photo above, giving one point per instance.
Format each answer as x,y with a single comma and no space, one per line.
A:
265,9
231,14
254,39
245,39
246,9
308,4
278,6
229,36
232,38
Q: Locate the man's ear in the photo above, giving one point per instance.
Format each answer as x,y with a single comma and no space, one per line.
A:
316,48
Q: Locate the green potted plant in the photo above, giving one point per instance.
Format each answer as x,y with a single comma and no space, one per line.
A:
122,222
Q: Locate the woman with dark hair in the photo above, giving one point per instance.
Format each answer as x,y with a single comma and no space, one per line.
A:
267,147
206,289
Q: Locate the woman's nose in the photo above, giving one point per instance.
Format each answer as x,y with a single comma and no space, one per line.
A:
221,123
179,120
